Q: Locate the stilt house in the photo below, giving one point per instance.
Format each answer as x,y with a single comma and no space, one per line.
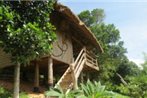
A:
72,54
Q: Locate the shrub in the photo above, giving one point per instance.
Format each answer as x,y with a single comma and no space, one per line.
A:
4,93
88,90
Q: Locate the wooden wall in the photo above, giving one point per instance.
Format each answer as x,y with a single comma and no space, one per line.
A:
62,50
4,59
64,42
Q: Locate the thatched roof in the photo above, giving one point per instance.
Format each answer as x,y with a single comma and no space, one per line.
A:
75,20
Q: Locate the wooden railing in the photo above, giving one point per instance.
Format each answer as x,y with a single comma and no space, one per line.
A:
91,59
84,57
79,61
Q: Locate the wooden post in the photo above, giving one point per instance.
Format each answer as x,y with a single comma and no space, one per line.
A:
75,82
50,72
82,77
36,82
88,76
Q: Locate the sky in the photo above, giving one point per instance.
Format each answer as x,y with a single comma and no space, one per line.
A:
129,16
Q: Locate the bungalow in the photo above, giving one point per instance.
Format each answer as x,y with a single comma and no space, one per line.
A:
72,54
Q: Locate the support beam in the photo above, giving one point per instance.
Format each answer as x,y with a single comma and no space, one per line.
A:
36,82
50,72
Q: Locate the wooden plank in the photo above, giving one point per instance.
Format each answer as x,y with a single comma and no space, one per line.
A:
91,66
92,59
91,62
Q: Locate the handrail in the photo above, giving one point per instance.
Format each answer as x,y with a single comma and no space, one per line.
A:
79,69
79,56
78,64
85,56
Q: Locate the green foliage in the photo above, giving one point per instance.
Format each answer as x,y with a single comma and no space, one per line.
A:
8,94
24,95
113,61
137,83
36,43
5,93
109,38
96,90
91,18
114,52
26,31
88,90
58,92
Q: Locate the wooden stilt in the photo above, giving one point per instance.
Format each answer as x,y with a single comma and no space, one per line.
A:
76,84
36,82
82,77
88,76
50,72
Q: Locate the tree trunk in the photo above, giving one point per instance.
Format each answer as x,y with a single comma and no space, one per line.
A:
121,78
16,81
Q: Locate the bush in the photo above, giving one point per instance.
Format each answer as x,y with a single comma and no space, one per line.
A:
88,90
4,93
23,95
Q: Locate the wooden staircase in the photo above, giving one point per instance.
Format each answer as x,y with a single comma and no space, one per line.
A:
69,79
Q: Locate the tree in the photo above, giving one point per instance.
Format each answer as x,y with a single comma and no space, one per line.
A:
114,65
137,81
94,17
116,71
26,32
109,38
